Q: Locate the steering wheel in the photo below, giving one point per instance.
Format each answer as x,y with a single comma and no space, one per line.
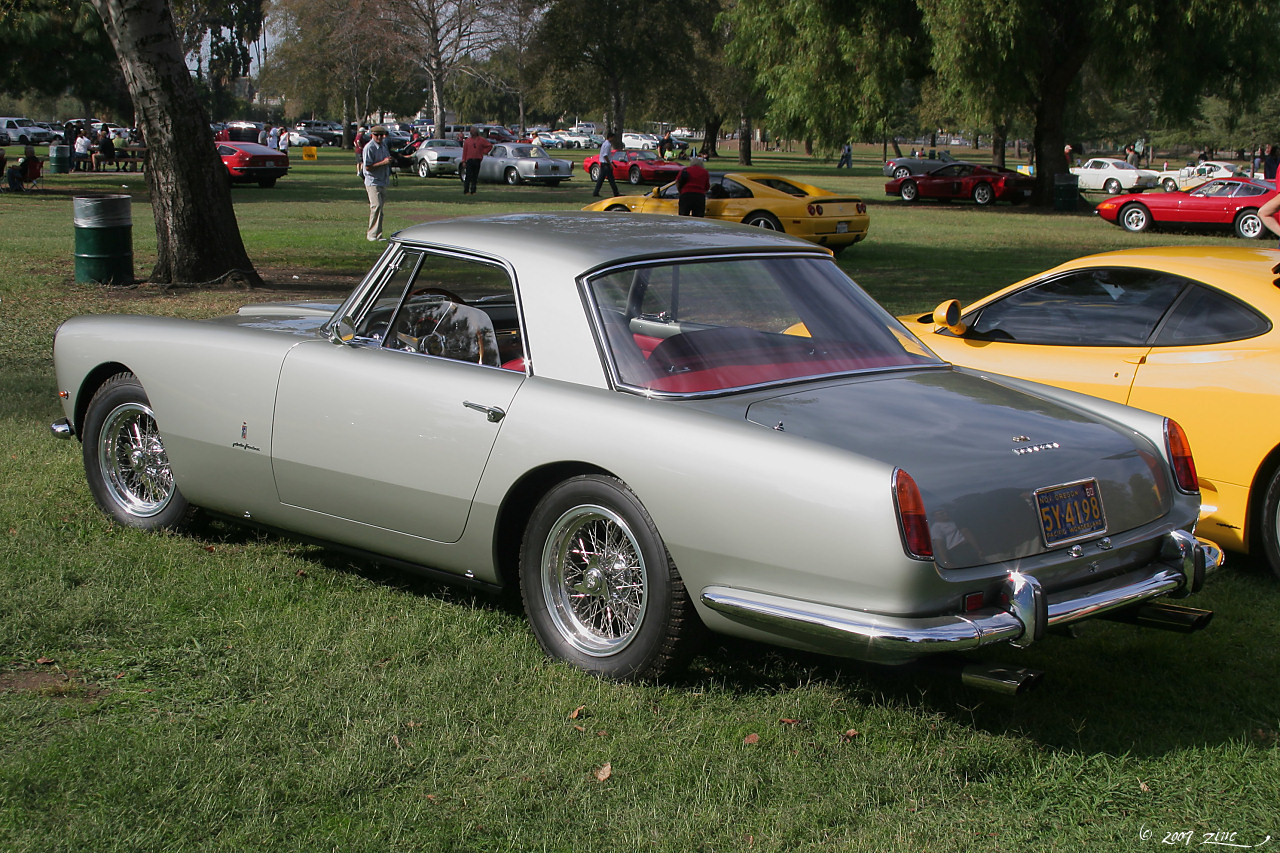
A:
431,343
439,291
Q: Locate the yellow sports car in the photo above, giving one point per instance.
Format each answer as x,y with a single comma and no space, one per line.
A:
1186,332
768,201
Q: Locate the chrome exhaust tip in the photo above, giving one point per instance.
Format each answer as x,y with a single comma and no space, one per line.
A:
1006,680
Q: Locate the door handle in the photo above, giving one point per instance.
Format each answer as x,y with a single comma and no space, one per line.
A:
492,413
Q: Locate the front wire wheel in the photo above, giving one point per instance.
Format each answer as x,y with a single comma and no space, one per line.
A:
125,459
599,588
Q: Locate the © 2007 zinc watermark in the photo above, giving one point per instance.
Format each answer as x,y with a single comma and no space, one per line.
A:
1195,838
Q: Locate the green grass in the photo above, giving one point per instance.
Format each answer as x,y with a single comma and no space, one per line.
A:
224,690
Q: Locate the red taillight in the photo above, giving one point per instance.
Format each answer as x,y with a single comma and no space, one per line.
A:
862,207
815,210
1179,450
911,517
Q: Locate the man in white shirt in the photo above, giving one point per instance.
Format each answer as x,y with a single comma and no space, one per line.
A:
606,164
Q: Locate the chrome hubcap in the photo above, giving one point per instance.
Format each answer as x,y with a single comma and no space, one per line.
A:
133,462
594,580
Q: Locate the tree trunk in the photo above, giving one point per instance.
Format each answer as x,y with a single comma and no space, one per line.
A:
197,238
999,135
711,135
744,140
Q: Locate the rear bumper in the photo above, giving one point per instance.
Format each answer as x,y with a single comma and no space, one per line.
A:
1030,611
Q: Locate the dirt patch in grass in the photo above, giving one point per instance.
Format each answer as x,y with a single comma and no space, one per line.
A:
50,684
280,284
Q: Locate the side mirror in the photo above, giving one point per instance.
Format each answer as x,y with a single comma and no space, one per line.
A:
947,316
343,331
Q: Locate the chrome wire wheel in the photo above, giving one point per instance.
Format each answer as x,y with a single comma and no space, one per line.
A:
594,580
132,461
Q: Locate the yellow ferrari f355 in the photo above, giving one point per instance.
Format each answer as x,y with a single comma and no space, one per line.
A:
1185,332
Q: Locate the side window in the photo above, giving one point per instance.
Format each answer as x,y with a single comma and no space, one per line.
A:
735,189
446,306
1106,306
1207,316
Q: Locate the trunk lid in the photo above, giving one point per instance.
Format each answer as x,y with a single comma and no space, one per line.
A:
979,451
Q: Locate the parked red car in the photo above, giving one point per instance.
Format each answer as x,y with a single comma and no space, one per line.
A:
636,166
251,163
1225,202
983,184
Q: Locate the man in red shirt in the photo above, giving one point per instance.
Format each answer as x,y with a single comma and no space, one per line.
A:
473,151
694,183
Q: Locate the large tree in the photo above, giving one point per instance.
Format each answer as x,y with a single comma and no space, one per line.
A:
34,31
832,70
1029,55
611,50
197,239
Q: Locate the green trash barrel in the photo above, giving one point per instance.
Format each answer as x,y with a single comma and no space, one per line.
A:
104,239
60,159
1066,191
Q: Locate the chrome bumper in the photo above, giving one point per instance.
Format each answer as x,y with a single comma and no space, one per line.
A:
1029,613
62,428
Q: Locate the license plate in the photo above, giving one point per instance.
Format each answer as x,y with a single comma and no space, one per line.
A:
268,163
1069,512
842,227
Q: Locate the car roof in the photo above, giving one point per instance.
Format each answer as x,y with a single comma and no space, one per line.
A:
584,240
1243,272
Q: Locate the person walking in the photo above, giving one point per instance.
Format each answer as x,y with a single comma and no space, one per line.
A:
473,151
693,183
605,162
376,160
846,157
1271,164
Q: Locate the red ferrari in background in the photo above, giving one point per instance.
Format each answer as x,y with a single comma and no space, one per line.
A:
983,184
1224,202
636,166
251,163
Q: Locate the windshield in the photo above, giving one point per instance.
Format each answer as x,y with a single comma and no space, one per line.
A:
706,326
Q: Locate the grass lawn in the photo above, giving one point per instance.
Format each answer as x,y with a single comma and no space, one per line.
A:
224,690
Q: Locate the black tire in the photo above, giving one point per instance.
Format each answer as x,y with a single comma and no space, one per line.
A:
599,588
909,191
617,208
1248,225
1111,187
764,219
1170,185
512,177
633,175
267,183
983,194
901,172
1269,524
595,171
125,460
1134,218
424,168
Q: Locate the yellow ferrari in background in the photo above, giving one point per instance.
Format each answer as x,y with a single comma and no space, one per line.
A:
1185,332
767,201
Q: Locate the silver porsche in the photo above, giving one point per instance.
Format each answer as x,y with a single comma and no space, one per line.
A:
648,425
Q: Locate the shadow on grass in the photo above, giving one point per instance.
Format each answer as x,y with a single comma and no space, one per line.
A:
1115,689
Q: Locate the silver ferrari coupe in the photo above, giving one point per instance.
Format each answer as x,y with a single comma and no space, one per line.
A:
642,424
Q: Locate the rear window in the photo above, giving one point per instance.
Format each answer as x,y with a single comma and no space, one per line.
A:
712,326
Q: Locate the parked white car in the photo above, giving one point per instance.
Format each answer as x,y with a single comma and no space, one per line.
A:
639,140
1114,176
1193,175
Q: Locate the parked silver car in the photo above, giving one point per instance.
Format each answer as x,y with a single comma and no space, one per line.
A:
521,163
437,157
643,423
900,167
